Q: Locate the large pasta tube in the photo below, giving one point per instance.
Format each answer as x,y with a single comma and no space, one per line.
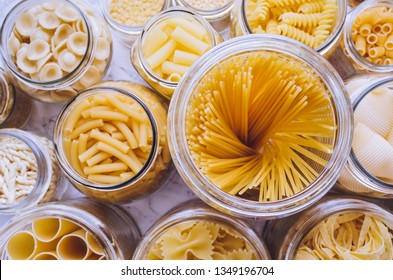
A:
47,256
73,246
49,229
93,244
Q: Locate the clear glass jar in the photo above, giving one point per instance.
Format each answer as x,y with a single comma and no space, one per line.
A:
284,236
192,212
128,33
89,65
218,14
238,206
359,63
157,167
355,178
15,108
240,26
164,86
49,183
111,226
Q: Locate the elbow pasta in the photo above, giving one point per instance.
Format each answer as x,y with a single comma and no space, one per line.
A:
310,22
173,45
374,35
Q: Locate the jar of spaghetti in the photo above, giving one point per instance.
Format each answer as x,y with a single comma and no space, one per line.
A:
368,37
369,167
169,44
317,24
219,237
53,49
15,108
337,228
111,141
127,18
80,229
216,12
29,172
260,127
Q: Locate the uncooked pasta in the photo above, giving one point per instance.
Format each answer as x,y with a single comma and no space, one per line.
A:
261,126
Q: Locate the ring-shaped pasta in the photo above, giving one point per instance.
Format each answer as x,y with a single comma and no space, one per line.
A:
40,33
51,6
103,49
62,33
50,72
58,49
68,61
38,49
49,20
77,43
24,63
25,24
67,14
13,44
43,61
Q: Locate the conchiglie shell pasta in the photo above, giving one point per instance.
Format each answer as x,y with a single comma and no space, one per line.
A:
77,43
24,63
68,61
91,77
103,49
38,49
50,72
49,20
67,13
62,33
13,44
25,24
40,33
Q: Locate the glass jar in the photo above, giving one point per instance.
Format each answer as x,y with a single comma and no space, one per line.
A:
166,86
111,226
355,178
157,166
12,102
128,33
359,62
30,160
72,52
285,236
194,212
240,206
240,26
216,12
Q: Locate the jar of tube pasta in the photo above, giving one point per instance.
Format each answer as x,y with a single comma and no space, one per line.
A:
15,108
29,173
368,36
216,12
52,49
128,17
219,237
80,229
369,170
169,44
111,141
260,127
337,228
317,24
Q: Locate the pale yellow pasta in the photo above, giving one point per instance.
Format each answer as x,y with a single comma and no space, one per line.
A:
155,41
365,29
372,39
73,246
375,52
360,45
389,43
49,229
184,58
158,57
170,68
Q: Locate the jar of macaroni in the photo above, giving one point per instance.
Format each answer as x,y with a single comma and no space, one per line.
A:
169,44
368,169
15,108
111,141
216,12
261,127
128,17
79,229
337,228
317,24
219,237
368,37
53,49
29,172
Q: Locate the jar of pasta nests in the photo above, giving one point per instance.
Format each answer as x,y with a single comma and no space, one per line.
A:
317,24
193,231
29,172
80,229
111,141
261,127
55,48
337,228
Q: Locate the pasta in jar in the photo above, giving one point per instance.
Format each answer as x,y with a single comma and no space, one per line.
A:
55,49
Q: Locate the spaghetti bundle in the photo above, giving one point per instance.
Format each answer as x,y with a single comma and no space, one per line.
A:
261,126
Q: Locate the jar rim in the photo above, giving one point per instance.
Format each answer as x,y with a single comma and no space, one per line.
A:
212,14
58,142
64,81
233,205
350,44
7,97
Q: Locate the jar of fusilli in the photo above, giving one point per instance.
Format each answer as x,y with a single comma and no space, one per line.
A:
260,127
369,168
337,228
29,172
53,49
80,229
317,24
219,237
